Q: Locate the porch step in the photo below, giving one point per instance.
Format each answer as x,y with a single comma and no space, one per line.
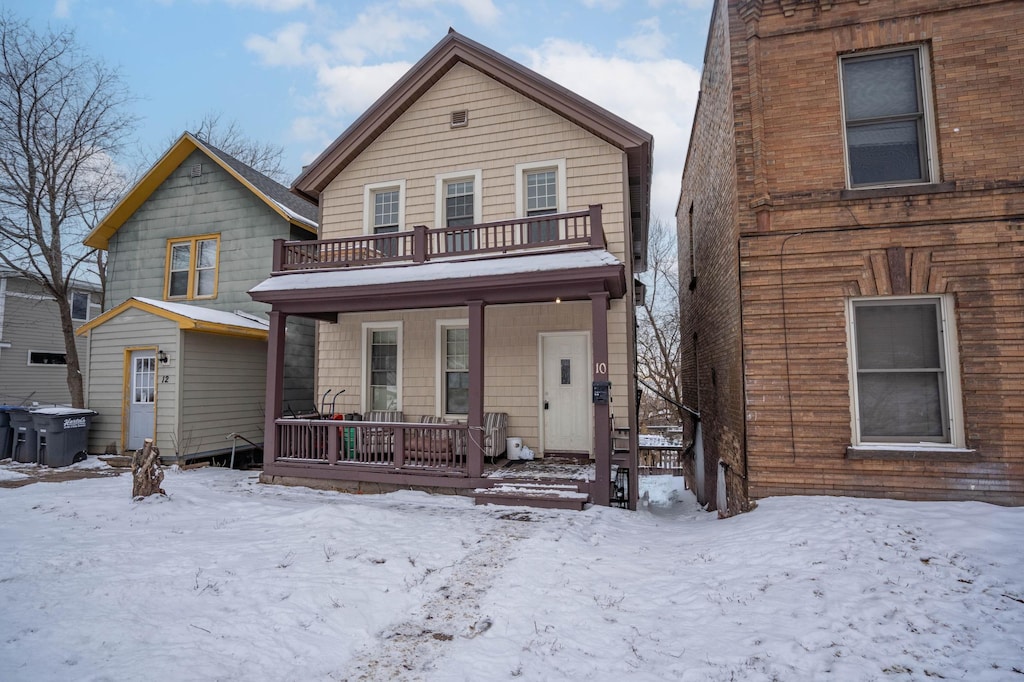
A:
541,495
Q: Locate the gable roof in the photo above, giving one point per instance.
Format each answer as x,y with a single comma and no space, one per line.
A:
295,209
454,48
188,317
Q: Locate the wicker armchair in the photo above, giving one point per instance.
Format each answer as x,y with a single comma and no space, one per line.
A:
380,441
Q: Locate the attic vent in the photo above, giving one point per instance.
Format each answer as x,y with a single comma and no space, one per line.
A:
460,119
197,170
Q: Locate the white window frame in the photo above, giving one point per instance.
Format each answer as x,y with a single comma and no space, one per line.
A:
439,362
523,168
367,328
88,304
951,368
441,182
931,162
29,363
370,191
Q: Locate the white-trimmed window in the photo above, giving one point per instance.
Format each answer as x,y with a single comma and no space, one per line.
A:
382,366
384,212
541,190
458,204
453,367
47,358
79,305
887,118
904,370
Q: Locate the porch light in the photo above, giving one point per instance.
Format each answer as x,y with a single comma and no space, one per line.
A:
558,299
162,356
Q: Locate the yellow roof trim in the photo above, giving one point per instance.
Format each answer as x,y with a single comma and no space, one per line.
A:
186,323
99,238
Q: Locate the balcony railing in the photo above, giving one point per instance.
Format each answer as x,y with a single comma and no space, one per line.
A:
429,448
422,244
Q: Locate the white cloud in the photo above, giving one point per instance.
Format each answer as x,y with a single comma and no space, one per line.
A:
376,31
658,95
287,47
274,5
602,4
348,90
62,8
647,42
481,12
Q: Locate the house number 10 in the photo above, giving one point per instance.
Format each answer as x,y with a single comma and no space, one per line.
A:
600,368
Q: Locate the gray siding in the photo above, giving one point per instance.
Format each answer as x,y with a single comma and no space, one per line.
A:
182,206
108,344
223,391
31,322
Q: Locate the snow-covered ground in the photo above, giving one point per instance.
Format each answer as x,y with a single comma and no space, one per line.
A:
227,579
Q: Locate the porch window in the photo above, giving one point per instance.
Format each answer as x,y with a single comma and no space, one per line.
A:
192,267
903,384
887,119
456,370
383,367
540,190
384,212
458,205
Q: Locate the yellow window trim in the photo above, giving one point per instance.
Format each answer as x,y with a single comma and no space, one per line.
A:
190,287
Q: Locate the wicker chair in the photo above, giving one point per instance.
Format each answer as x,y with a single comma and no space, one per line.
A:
379,442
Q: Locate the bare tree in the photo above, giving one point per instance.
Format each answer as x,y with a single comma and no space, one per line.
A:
63,119
658,331
230,138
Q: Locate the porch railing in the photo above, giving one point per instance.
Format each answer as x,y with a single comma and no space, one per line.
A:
422,244
433,448
668,460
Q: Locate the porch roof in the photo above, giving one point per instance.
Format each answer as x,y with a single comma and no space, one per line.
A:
188,317
537,277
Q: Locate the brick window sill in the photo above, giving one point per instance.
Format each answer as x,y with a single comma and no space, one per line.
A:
901,191
911,453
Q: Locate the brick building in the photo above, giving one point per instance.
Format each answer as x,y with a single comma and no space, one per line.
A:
851,248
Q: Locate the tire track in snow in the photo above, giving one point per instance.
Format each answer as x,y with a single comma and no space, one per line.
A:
408,650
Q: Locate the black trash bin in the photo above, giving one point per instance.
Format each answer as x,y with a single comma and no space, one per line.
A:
23,437
6,431
62,435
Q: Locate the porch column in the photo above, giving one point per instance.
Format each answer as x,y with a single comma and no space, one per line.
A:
475,419
602,412
275,386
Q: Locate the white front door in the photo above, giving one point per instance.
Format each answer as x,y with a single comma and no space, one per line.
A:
141,397
566,387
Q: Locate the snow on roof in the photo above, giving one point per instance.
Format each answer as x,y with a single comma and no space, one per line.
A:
439,269
293,215
194,312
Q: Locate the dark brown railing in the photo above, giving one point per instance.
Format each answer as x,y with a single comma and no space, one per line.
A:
423,244
433,448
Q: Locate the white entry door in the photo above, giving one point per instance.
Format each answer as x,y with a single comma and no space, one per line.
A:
566,388
141,397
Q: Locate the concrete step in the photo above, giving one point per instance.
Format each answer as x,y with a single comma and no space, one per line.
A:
540,495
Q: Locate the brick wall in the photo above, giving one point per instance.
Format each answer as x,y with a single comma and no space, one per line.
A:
807,243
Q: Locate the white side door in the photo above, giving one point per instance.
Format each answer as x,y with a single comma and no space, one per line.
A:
141,397
566,412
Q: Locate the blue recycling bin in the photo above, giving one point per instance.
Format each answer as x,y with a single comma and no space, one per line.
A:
62,435
6,432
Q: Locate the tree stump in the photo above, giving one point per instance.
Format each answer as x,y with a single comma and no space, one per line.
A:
146,472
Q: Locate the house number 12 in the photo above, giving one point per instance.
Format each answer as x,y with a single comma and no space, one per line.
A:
600,368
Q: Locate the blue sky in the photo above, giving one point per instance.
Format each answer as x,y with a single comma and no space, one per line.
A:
298,72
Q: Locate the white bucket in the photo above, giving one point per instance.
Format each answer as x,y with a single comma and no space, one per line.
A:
514,448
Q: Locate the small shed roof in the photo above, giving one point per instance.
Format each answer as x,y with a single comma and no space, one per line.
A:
188,317
291,207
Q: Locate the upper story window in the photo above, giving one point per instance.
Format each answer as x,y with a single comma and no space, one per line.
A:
887,118
458,205
192,267
904,370
384,212
541,190
79,305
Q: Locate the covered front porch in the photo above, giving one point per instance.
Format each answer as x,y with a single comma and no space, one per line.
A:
349,277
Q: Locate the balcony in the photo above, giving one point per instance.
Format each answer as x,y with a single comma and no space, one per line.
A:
557,231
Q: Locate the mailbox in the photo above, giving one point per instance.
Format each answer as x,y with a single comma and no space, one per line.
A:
602,391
